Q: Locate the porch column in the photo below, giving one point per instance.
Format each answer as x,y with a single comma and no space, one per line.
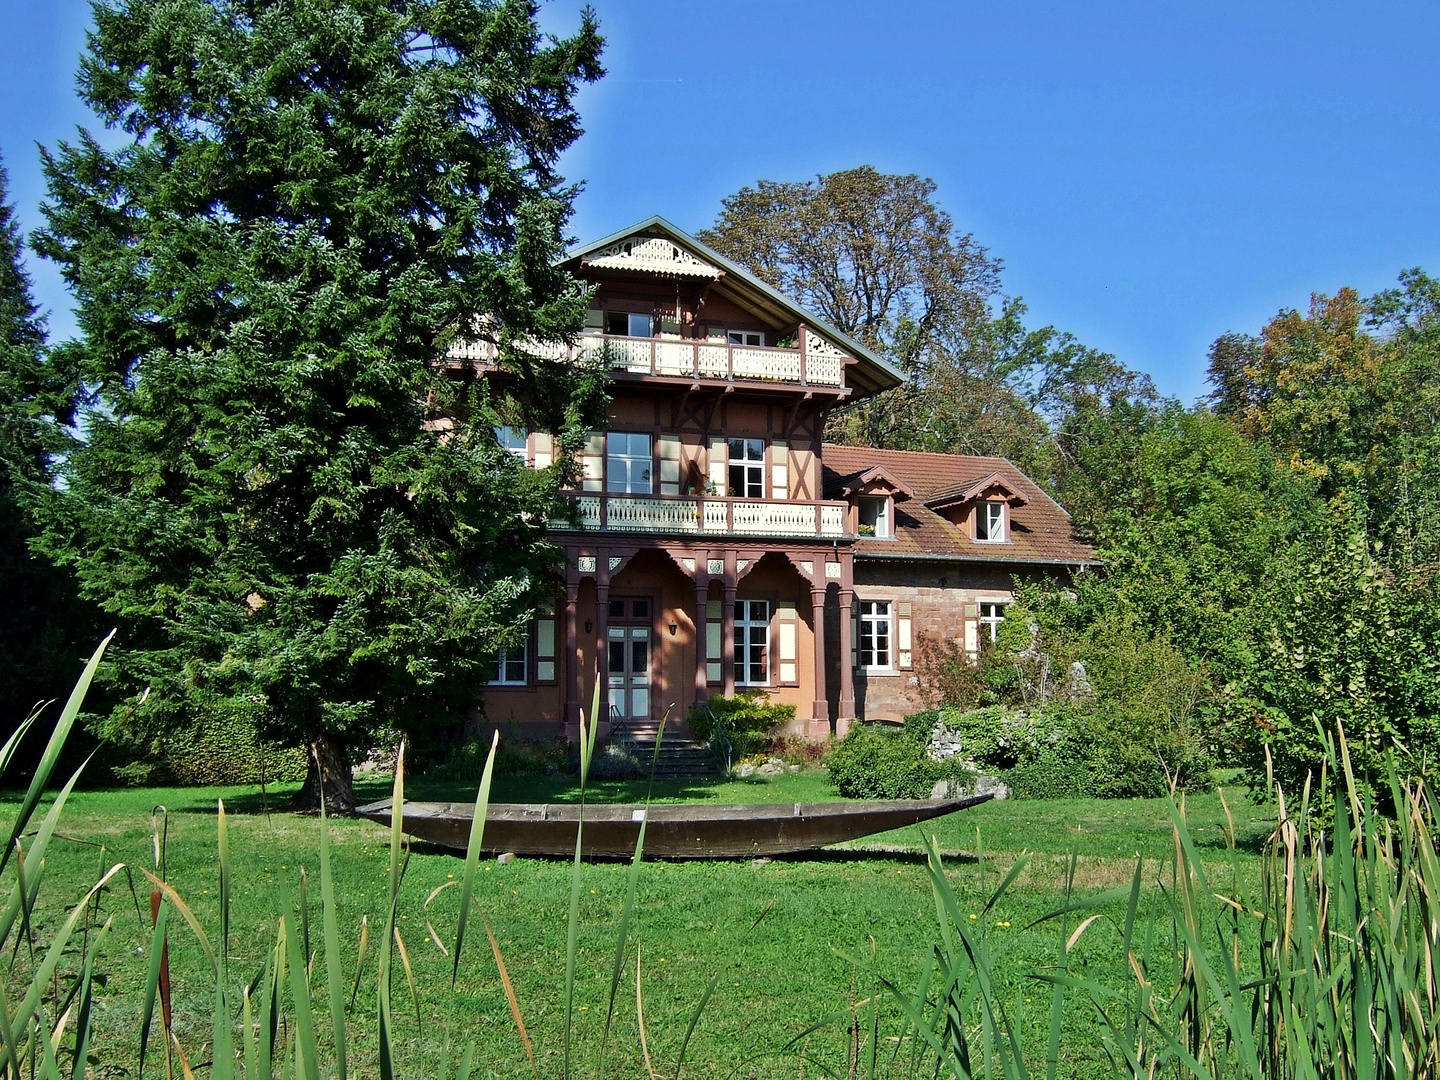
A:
572,662
820,707
602,639
702,599
727,628
846,714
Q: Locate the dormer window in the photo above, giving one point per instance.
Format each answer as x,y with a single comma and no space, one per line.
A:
629,324
875,517
990,521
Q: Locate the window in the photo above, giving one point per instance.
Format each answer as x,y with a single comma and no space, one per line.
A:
875,634
512,441
745,337
627,462
511,666
991,616
629,324
747,468
752,643
990,521
875,515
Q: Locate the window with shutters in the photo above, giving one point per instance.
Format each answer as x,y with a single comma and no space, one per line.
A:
628,462
877,626
991,616
747,468
752,643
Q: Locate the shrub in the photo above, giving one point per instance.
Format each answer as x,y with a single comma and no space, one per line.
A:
1071,750
747,721
223,744
872,762
465,761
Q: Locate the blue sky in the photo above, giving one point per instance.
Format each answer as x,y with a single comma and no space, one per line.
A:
1151,174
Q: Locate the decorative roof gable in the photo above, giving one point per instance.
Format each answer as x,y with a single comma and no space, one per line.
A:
653,254
993,484
876,478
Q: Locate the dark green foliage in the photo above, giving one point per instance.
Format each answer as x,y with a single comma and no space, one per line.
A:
312,201
745,722
225,744
874,762
1346,645
42,622
464,762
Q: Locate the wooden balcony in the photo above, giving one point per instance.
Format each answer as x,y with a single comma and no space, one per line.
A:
815,363
708,516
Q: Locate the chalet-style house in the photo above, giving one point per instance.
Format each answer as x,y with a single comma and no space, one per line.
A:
722,547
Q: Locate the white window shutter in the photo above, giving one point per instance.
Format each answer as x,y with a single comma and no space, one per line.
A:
902,634
779,470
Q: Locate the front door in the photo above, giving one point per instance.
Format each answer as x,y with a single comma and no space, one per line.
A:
629,659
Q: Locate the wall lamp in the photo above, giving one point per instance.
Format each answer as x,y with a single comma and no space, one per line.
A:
589,627
673,628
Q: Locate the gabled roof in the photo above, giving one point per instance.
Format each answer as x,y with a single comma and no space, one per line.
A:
871,372
873,477
1040,529
965,491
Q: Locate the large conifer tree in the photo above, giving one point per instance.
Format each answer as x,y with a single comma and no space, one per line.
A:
280,491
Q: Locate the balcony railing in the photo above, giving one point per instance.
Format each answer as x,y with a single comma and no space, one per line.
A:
818,364
707,515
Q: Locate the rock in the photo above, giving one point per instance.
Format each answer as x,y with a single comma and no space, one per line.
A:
771,768
943,743
981,785
757,863
505,857
745,770
1077,684
793,768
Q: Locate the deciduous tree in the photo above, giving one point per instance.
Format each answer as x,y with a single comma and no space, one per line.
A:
281,492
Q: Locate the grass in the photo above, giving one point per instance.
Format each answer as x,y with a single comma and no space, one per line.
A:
831,924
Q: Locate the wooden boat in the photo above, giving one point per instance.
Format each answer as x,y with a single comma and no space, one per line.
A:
675,831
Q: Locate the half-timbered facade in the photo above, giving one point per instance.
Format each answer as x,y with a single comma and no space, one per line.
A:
718,545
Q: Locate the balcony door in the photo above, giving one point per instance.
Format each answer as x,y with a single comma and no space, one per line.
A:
629,650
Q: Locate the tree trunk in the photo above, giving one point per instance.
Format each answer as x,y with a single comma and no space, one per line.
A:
331,774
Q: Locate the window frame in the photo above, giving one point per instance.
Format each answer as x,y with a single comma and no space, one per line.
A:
992,620
630,322
868,621
887,512
753,467
759,335
520,451
742,670
983,521
502,658
648,458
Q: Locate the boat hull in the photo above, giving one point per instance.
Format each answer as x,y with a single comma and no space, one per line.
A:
684,831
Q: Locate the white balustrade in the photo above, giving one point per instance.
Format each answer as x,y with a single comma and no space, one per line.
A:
772,518
653,515
717,516
822,364
739,517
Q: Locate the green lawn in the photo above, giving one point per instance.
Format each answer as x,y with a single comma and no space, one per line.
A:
832,921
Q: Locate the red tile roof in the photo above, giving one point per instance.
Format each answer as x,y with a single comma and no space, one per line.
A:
1040,531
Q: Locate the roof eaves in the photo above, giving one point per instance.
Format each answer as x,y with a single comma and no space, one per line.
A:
810,318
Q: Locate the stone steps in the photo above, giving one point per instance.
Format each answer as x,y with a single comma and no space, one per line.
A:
679,759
